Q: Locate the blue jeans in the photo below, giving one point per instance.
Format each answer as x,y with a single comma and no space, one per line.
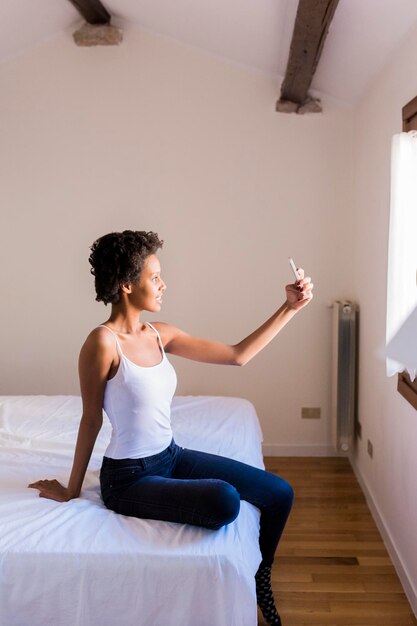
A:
191,487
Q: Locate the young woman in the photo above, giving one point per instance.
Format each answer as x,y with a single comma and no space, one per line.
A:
124,369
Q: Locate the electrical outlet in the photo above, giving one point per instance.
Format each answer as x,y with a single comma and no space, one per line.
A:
311,413
370,449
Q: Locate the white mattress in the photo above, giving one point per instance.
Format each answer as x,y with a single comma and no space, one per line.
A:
79,564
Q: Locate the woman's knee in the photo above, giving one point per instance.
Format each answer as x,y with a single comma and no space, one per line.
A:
283,493
226,505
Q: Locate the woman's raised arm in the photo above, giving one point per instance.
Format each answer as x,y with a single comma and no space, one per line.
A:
180,343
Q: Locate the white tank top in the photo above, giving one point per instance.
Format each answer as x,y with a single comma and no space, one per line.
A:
137,401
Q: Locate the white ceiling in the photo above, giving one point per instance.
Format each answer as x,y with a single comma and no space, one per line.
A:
256,33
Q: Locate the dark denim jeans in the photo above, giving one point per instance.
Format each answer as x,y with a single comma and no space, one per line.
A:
192,487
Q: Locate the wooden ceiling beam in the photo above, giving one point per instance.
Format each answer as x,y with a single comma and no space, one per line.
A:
310,30
92,11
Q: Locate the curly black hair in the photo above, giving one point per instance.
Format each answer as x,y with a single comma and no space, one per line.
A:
118,258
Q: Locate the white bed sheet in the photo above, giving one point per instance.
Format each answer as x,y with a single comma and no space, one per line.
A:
79,564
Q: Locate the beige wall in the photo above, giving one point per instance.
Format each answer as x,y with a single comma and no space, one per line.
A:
156,135
387,419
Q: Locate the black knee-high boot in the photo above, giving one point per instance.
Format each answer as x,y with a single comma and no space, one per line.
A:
265,597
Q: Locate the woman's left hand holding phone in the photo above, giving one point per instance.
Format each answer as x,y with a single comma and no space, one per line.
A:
300,293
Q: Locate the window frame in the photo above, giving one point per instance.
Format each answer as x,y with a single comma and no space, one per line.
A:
409,114
405,386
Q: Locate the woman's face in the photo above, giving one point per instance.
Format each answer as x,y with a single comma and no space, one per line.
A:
148,290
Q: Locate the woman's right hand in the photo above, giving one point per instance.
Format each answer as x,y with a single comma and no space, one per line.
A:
51,489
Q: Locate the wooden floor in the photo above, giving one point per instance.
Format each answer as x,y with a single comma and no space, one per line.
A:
331,567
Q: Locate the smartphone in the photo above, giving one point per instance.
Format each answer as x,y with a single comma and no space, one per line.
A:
294,269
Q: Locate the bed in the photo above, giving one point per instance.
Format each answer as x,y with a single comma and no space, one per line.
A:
79,564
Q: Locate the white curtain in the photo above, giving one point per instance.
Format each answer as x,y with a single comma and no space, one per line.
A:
402,247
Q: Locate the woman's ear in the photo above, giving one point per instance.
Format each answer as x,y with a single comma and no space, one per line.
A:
126,288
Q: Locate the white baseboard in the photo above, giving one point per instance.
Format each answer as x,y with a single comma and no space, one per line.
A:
275,449
407,583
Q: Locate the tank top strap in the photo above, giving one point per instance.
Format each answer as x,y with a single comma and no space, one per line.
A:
158,335
119,348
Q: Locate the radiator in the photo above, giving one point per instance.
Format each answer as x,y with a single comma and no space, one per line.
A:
344,388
